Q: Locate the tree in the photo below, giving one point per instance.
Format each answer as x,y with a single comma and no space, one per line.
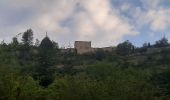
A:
162,43
46,44
3,43
37,43
27,37
46,61
162,81
149,44
125,48
15,41
100,55
55,45
145,45
165,57
15,46
27,40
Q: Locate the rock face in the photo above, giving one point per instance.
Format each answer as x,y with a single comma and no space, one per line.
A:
83,47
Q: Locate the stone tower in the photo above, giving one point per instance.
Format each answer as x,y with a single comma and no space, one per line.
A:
83,47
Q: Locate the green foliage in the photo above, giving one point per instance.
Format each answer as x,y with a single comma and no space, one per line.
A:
162,43
46,44
100,55
16,87
161,80
112,83
15,41
37,43
43,72
27,37
44,69
126,48
25,48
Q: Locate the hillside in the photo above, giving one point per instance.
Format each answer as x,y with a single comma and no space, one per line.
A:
42,71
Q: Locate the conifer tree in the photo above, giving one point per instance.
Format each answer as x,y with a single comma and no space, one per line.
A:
46,62
27,37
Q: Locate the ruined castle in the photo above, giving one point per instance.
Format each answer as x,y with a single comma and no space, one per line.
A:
83,47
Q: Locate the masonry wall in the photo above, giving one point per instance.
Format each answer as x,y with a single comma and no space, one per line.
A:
83,47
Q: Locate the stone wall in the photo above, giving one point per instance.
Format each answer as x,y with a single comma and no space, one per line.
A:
83,47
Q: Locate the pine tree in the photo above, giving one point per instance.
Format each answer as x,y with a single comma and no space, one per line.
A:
162,42
27,37
15,41
46,62
27,41
37,43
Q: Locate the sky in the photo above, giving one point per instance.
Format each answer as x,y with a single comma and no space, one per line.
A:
103,22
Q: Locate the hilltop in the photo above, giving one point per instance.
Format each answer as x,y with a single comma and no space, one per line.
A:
43,71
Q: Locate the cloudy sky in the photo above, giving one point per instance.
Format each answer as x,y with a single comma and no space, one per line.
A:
104,22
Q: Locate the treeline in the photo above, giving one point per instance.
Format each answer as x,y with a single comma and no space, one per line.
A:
127,48
40,71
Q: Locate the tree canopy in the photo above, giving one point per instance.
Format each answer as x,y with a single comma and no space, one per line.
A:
125,48
27,37
162,42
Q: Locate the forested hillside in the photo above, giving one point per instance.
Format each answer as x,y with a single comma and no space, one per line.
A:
41,71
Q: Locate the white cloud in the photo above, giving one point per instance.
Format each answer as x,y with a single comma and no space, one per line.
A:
100,23
125,7
151,3
160,20
96,20
154,15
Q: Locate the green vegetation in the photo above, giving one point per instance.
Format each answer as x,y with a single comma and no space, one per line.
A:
41,71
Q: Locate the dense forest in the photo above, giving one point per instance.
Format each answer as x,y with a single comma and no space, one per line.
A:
40,71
